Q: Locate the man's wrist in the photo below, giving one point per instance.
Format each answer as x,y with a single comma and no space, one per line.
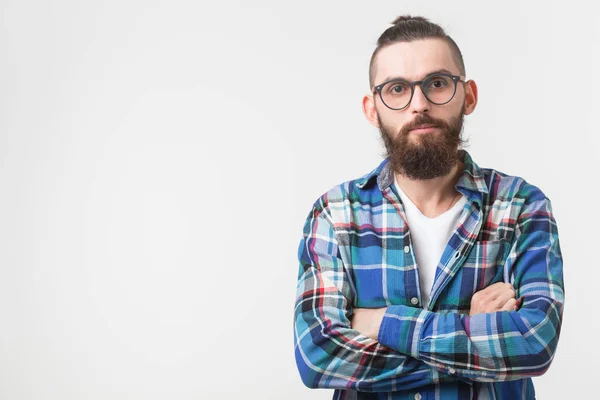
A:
401,329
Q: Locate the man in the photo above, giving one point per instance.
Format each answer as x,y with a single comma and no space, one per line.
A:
429,277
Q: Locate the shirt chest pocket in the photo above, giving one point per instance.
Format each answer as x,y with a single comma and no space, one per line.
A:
484,264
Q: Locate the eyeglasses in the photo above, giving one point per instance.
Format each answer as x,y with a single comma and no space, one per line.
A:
438,88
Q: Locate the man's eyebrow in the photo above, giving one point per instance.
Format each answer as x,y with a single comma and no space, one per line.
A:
437,71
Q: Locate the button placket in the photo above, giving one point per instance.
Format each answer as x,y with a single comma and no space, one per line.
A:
413,300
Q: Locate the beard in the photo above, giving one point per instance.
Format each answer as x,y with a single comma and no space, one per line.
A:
430,155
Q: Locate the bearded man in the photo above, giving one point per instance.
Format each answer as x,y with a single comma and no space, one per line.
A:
429,277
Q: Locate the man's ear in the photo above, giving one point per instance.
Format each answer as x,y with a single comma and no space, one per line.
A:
368,106
470,96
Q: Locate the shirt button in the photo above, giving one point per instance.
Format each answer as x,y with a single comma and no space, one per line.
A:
418,396
414,301
406,249
452,371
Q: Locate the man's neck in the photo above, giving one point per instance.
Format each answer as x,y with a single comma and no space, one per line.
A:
432,196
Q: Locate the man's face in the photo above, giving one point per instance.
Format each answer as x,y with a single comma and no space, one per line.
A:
420,154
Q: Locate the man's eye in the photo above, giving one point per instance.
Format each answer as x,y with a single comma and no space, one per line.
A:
398,88
438,83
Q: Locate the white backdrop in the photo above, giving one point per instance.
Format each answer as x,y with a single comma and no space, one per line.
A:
158,158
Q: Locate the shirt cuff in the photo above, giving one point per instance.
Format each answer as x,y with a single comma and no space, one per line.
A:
401,329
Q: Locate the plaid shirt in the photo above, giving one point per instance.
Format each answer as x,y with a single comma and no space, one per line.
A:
356,251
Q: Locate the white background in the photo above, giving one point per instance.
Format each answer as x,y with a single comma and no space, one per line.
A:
158,158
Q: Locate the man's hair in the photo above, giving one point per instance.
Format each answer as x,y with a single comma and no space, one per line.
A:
407,28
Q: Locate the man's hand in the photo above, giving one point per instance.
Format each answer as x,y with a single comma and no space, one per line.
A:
497,297
367,321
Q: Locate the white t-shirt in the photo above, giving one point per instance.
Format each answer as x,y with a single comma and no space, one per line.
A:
429,238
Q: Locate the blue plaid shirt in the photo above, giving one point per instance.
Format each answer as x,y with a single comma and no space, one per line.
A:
356,251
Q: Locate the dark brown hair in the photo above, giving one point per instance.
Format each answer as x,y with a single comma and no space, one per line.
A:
407,28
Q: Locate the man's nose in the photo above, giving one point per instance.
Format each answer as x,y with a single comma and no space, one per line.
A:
419,102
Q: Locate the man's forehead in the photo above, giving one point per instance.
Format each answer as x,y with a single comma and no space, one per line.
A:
413,60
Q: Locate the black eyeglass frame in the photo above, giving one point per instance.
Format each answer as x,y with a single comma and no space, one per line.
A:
455,79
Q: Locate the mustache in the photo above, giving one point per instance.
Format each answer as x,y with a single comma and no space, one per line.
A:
423,119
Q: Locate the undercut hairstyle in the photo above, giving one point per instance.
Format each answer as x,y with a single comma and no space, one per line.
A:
407,28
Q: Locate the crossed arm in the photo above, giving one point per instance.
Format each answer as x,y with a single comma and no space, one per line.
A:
499,296
415,347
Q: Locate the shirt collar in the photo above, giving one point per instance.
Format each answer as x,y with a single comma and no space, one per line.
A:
471,181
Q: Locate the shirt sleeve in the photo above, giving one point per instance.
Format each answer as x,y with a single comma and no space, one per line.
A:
495,346
329,353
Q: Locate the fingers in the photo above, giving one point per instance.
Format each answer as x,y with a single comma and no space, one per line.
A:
494,298
496,290
506,293
511,305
